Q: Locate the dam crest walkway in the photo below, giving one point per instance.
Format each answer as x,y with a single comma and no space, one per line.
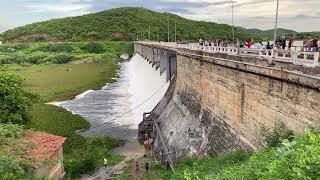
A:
296,56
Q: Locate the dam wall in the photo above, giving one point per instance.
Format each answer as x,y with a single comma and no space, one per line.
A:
221,103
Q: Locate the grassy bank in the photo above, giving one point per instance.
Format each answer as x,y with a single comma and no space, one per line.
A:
297,158
62,81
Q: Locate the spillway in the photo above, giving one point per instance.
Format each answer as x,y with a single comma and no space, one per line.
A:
116,109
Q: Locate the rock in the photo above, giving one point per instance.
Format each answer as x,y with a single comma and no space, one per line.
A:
117,173
124,56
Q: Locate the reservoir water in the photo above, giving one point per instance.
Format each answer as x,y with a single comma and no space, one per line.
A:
117,109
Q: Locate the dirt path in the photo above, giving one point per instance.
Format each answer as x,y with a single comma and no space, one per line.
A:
142,173
132,150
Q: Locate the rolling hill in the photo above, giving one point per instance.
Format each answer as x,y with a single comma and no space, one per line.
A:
128,23
120,24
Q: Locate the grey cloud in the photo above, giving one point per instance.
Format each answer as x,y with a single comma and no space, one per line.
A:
304,17
264,17
158,5
253,2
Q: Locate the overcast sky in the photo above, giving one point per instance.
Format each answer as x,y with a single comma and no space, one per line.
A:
299,15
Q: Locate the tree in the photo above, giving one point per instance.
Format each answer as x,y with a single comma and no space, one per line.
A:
15,102
93,47
11,164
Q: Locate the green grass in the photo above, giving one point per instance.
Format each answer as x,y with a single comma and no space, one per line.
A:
126,175
65,123
54,82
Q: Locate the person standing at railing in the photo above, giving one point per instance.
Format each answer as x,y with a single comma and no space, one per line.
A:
314,44
268,45
238,42
283,42
249,43
206,43
305,44
290,42
200,42
278,43
261,45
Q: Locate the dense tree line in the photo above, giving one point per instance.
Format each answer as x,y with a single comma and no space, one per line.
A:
60,53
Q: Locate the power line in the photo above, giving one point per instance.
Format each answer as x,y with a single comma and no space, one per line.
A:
94,127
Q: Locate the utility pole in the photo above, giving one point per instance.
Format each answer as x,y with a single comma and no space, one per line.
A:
149,33
276,26
175,31
232,23
168,29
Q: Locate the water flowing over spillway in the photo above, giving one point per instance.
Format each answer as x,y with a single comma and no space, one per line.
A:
138,89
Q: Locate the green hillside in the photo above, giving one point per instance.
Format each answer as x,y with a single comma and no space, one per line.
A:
268,34
122,24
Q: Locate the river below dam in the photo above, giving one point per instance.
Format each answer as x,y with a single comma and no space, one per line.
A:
117,109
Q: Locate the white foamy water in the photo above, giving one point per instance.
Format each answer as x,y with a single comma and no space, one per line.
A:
137,82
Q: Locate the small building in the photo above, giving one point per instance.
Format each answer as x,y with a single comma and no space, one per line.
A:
47,153
0,42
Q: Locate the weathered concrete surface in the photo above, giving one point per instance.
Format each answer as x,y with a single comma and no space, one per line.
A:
227,100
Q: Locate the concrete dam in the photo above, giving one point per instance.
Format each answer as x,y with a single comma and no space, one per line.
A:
220,102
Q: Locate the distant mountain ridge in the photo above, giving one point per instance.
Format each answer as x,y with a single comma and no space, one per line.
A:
129,23
269,34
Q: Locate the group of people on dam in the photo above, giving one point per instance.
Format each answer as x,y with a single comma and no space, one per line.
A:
281,43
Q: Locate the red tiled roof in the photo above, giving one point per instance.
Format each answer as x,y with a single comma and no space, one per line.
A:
45,146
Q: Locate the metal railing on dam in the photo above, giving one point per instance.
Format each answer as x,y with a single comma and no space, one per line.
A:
296,56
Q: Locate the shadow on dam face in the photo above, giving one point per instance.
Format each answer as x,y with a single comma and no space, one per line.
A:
117,109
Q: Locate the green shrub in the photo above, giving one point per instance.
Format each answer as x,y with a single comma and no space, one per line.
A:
36,59
298,158
275,136
93,47
5,59
15,102
60,58
13,165
94,34
56,47
76,39
13,48
89,154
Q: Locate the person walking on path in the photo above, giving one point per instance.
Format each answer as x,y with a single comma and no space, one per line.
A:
146,163
105,162
147,167
137,167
